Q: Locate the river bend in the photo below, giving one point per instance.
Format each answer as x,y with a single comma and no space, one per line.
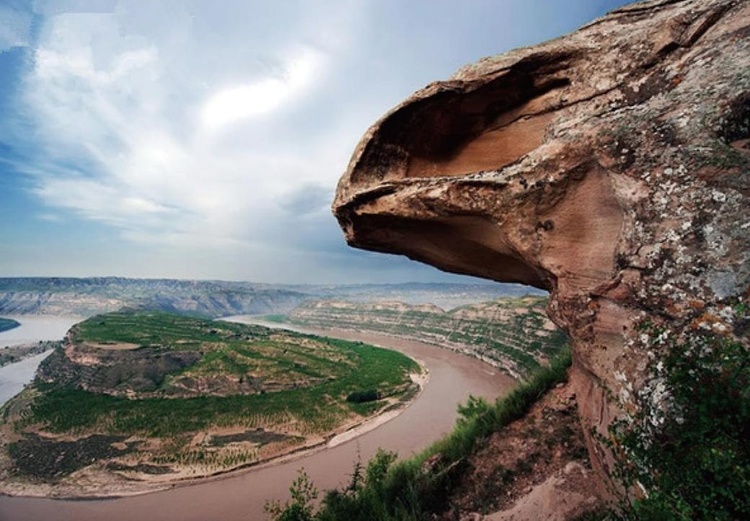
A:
241,496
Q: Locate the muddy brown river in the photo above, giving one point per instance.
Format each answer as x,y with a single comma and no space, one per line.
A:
241,496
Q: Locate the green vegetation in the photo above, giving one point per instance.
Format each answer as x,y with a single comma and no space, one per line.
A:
62,409
418,488
7,324
687,452
514,332
169,378
148,328
170,354
276,319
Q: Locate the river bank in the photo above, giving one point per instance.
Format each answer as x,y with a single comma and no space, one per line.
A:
33,329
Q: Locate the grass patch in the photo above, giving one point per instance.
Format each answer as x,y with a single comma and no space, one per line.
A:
145,328
62,409
276,319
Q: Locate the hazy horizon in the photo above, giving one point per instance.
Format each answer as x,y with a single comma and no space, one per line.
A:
203,141
457,281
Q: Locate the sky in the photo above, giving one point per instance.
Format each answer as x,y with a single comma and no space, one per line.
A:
204,139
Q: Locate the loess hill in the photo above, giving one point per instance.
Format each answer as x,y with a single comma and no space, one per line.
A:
134,400
513,334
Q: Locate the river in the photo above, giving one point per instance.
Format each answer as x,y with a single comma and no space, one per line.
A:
33,329
241,496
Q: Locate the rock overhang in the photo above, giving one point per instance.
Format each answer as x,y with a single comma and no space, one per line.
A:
610,166
454,155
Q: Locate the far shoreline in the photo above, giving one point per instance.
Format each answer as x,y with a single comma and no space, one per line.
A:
8,324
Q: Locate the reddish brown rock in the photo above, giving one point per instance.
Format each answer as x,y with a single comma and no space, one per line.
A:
610,166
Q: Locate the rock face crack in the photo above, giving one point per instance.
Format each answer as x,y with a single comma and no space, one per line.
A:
609,167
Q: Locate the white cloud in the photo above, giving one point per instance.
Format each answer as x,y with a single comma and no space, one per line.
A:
105,203
262,96
129,123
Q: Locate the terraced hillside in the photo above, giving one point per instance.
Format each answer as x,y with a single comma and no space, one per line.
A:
140,398
513,334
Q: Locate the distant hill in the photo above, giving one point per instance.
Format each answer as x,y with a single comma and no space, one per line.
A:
444,295
512,333
90,296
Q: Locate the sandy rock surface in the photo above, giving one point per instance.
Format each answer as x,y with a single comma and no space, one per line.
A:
610,166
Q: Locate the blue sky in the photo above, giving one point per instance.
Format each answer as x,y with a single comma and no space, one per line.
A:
204,139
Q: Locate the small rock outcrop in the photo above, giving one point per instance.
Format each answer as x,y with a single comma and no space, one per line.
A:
610,166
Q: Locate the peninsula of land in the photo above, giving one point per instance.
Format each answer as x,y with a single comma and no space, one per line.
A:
135,401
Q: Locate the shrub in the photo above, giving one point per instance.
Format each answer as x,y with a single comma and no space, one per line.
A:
369,395
303,494
690,452
417,488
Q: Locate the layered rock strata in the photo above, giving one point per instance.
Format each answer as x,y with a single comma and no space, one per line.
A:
610,166
512,334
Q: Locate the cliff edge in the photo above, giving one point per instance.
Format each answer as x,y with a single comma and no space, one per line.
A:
610,166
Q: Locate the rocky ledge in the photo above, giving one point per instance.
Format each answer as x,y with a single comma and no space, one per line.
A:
610,167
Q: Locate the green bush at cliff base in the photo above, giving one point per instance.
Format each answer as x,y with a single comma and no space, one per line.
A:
691,455
417,488
370,395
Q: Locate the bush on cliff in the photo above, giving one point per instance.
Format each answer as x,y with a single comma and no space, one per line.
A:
688,450
416,488
370,395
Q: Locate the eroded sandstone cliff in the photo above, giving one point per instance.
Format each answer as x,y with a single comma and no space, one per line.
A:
610,167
